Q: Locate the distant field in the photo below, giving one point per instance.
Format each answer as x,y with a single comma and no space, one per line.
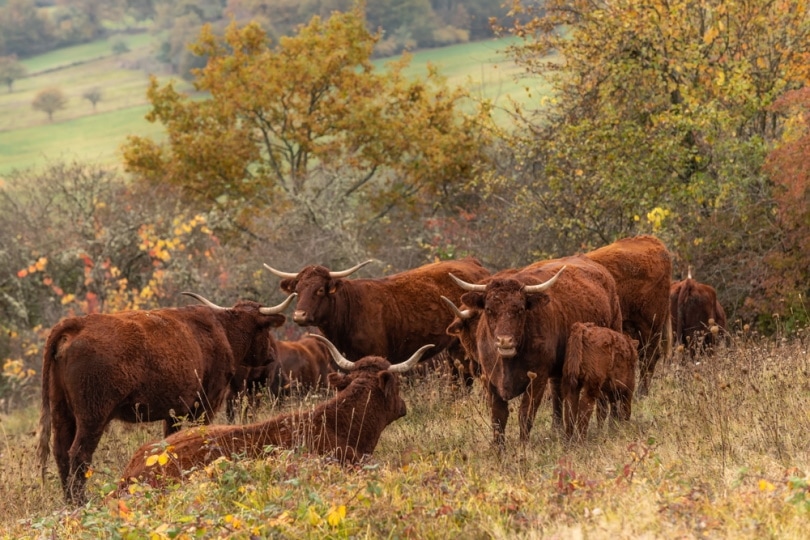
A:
28,140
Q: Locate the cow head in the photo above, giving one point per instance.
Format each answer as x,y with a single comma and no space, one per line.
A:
316,287
387,380
248,325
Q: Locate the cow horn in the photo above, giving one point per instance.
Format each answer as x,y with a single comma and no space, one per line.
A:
279,308
282,275
340,360
410,362
350,271
202,300
542,286
466,314
468,286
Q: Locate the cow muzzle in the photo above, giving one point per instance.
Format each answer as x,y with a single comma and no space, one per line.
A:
300,317
506,346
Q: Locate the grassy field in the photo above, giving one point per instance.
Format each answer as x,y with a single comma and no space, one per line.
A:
28,139
718,450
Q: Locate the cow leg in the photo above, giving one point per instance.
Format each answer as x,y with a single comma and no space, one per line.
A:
531,402
556,404
603,403
64,426
499,409
570,396
88,435
586,405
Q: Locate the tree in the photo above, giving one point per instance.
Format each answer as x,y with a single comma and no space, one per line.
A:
10,71
93,95
309,130
49,101
658,122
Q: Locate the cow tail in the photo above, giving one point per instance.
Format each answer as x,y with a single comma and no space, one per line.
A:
573,357
44,439
666,338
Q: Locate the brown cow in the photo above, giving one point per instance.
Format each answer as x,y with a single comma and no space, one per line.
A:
642,268
697,314
600,365
301,365
387,316
523,327
346,427
141,366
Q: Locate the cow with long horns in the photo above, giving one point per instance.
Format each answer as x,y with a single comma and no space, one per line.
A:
524,319
141,366
347,427
387,316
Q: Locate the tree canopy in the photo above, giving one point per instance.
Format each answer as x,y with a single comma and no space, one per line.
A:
308,125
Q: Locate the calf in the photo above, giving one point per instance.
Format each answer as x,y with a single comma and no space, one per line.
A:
347,427
698,317
600,365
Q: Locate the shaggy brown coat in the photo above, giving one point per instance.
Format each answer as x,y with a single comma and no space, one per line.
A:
389,316
695,309
140,366
347,427
600,366
642,268
521,337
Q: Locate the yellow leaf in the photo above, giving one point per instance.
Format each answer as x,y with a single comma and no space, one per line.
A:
163,458
41,263
88,473
764,485
313,517
336,515
151,460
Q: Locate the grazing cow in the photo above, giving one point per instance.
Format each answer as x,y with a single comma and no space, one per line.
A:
523,327
600,366
387,316
141,366
347,427
300,365
697,314
642,268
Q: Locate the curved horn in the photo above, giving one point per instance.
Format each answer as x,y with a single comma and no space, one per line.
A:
279,308
466,314
202,300
340,360
468,286
350,271
282,275
410,362
542,286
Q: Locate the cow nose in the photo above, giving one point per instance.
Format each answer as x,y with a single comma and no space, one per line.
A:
505,342
300,316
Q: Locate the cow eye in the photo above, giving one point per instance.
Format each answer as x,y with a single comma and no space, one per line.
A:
321,292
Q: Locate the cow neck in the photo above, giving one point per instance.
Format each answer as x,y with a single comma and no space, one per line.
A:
338,329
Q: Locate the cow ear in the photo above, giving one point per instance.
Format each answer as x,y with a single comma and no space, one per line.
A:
473,299
276,320
338,380
333,285
455,327
388,383
289,285
536,300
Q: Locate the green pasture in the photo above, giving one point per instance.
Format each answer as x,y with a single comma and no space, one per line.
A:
29,140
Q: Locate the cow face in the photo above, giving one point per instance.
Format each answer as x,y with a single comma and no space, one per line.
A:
386,381
253,329
316,293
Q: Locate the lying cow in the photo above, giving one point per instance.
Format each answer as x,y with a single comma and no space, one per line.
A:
141,366
699,319
388,316
600,367
301,365
347,427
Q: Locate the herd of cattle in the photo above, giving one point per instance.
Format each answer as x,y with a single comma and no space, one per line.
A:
590,327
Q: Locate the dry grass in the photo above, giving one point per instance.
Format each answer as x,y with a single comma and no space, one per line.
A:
719,450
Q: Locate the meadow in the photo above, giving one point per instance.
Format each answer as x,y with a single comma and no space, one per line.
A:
719,449
78,132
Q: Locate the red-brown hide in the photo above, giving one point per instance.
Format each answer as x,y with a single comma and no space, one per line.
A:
642,268
694,305
347,427
389,316
140,366
600,365
521,337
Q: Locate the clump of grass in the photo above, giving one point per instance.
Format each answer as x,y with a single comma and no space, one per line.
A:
718,449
